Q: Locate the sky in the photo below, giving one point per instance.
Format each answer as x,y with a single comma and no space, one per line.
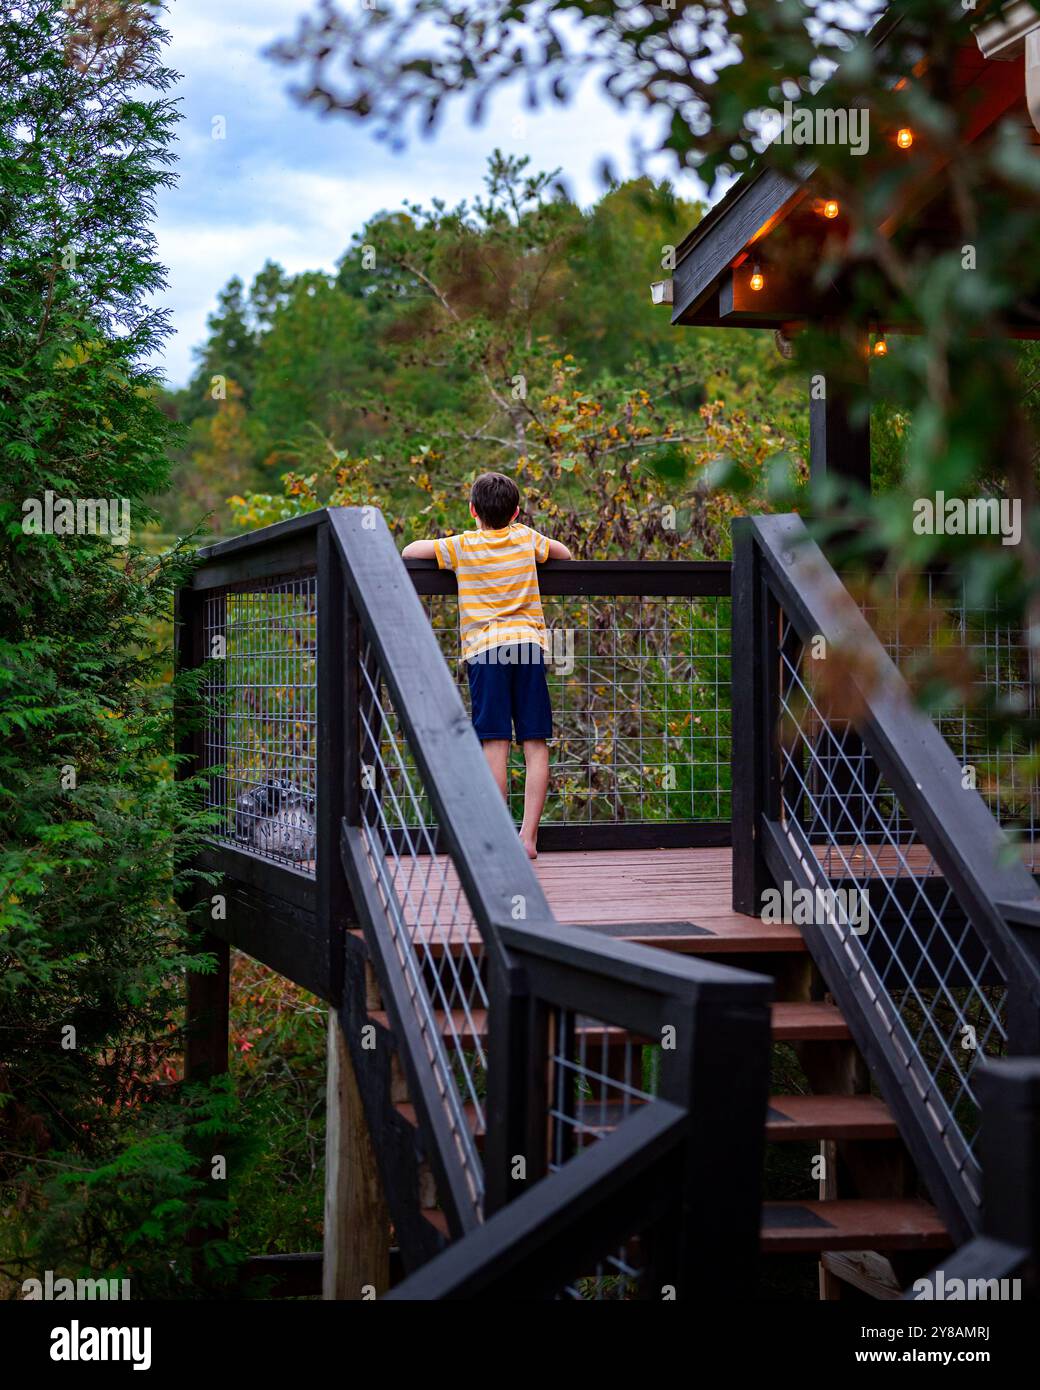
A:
289,185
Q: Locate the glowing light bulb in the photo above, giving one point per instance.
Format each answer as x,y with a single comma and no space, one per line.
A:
881,347
757,279
831,208
905,138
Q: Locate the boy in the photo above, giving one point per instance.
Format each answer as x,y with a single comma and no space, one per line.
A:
504,641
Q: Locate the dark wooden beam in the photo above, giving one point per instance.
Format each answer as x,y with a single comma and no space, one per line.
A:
280,531
336,631
282,935
754,662
839,443
1009,1092
750,215
602,578
207,1024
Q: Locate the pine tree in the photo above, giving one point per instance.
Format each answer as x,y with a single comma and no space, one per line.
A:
228,355
92,948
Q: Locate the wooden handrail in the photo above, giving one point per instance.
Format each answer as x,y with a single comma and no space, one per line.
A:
780,569
952,821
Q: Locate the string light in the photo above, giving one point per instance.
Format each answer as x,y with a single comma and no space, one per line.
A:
831,208
905,138
880,346
757,279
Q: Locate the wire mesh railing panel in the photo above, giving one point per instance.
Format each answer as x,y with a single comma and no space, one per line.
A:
435,936
599,1075
261,728
974,672
641,699
640,690
915,955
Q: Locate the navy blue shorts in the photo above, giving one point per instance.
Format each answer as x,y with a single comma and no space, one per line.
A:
507,687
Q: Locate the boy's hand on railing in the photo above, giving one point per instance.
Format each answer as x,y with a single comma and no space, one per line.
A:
419,550
558,551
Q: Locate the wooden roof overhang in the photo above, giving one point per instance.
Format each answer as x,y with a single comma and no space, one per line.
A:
770,217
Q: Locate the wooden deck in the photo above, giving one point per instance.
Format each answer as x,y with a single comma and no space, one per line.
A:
678,899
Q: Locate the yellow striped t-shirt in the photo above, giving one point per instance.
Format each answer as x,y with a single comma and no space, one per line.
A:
499,601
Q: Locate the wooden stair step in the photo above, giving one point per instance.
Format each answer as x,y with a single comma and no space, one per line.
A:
792,1228
801,1228
737,935
594,1117
788,1119
809,1021
451,1024
475,1027
793,1118
792,1022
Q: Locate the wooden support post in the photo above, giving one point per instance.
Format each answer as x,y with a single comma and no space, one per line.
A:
336,684
356,1261
207,1025
208,996
1009,1092
206,1037
510,1096
755,664
839,442
719,1072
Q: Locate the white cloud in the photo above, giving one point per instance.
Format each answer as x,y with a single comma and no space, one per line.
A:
290,186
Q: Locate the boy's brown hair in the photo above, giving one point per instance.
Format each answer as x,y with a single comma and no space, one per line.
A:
494,498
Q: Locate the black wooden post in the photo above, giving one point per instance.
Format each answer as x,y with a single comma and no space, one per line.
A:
755,675
206,1021
517,1101
839,440
1009,1094
356,1238
334,632
718,1071
208,996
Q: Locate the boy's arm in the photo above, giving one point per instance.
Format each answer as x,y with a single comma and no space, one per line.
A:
547,549
419,550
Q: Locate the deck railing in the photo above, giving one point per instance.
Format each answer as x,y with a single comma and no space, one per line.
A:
262,731
1002,1260
974,670
501,1007
639,677
852,788
621,1198
544,1064
349,792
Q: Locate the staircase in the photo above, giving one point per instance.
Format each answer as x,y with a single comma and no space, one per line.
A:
870,1227
567,1092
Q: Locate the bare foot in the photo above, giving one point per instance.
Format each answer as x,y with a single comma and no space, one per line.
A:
530,846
